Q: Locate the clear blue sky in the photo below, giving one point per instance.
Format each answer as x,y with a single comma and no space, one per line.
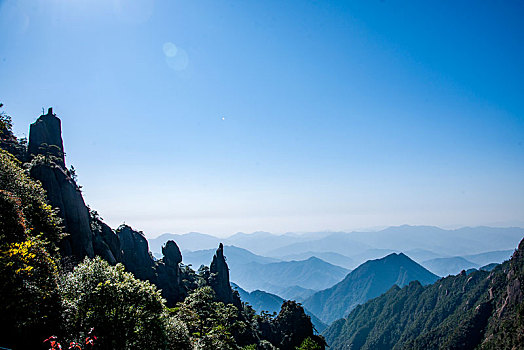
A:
219,116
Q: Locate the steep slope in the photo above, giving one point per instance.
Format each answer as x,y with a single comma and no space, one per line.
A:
367,281
312,273
448,266
481,310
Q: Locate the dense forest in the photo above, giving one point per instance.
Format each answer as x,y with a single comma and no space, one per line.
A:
67,277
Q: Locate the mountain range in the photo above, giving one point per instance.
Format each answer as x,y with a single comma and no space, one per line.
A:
367,281
350,249
480,310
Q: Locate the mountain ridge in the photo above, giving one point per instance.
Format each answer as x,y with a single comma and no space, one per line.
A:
367,281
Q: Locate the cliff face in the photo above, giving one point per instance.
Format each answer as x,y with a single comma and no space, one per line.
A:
63,194
105,242
45,139
219,279
135,253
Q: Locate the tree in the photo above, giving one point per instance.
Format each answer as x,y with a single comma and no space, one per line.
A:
126,313
29,231
210,323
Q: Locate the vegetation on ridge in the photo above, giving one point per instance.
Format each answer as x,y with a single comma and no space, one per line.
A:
481,310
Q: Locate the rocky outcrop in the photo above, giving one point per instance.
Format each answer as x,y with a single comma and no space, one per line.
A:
135,253
172,255
63,193
219,279
105,242
168,274
45,137
45,140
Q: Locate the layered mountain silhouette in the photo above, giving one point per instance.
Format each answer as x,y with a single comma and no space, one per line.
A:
449,266
312,273
480,310
367,281
480,245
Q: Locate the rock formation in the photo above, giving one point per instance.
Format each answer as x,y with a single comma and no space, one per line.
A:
219,279
45,137
63,194
87,234
168,274
105,242
135,253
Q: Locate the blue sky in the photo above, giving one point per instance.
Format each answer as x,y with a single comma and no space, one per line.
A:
219,116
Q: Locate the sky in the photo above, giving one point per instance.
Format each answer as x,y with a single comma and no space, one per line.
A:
226,116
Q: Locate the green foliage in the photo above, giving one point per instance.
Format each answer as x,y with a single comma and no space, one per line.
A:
29,229
466,311
6,124
210,323
309,344
125,312
40,218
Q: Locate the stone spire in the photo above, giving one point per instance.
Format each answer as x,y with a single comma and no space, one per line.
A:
45,137
219,279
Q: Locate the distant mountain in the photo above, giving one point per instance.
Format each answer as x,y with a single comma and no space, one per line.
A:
420,255
260,242
482,310
367,281
423,242
236,257
260,300
294,293
459,242
337,242
448,266
312,273
498,256
188,241
263,301
330,257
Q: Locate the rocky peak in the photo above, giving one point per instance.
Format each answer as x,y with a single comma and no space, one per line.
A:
219,279
45,137
172,255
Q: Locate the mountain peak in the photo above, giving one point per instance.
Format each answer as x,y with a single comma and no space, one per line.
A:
367,281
